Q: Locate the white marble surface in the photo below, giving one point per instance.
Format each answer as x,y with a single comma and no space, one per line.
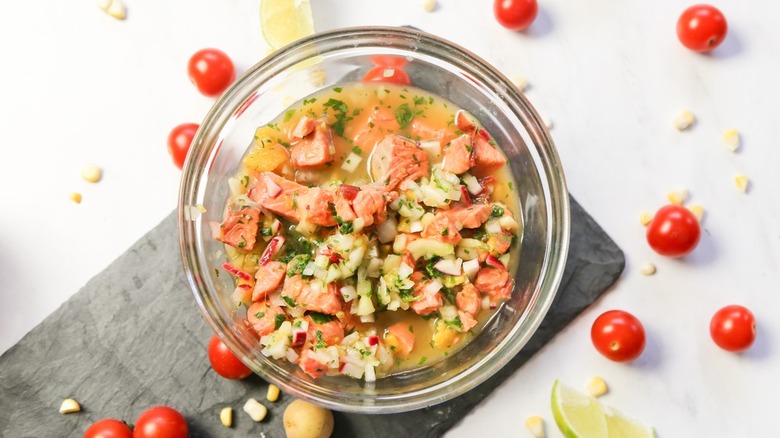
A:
81,87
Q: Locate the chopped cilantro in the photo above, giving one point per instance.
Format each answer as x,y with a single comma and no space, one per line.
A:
278,320
341,111
432,344
297,264
430,270
455,323
216,272
411,328
445,231
364,352
510,185
320,318
245,180
242,243
259,315
346,228
422,360
288,115
496,211
308,101
404,115
357,150
419,100
337,89
267,231
320,342
290,301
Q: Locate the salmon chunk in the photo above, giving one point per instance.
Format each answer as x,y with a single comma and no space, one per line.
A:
467,322
370,204
467,299
399,338
314,150
421,131
427,301
269,277
381,122
495,283
312,295
472,216
397,159
262,317
458,157
304,127
278,195
331,332
311,365
314,207
500,243
442,229
486,157
239,229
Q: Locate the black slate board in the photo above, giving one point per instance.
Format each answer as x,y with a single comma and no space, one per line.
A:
132,338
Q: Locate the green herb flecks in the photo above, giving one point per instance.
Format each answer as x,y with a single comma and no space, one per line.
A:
341,111
496,211
288,115
320,342
278,320
290,301
320,318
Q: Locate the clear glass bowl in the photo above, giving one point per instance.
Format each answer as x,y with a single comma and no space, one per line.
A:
445,69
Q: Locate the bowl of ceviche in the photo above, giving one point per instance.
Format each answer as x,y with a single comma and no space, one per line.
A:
373,219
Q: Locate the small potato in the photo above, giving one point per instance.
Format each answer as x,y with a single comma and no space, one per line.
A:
305,420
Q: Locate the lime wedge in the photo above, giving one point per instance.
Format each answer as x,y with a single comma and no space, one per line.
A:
577,415
582,416
284,21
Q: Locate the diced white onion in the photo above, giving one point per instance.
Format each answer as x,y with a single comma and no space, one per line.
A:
470,268
493,227
386,231
370,374
448,312
432,147
374,267
351,162
365,306
367,318
508,223
348,292
472,184
415,227
504,259
404,271
449,266
308,271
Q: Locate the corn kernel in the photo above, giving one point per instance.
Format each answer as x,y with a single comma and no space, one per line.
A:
596,386
731,139
114,8
677,197
647,269
683,120
255,410
645,218
91,173
429,5
69,406
520,82
742,183
547,122
697,211
226,416
535,425
318,77
273,393
75,197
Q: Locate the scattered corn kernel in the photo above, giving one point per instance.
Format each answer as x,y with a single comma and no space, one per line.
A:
645,218
75,197
255,410
742,183
731,139
69,406
697,211
91,173
226,416
114,8
596,386
683,120
535,425
318,77
677,197
520,82
429,5
273,393
547,122
647,269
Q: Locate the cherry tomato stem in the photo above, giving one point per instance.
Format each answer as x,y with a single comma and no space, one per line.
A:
618,336
701,28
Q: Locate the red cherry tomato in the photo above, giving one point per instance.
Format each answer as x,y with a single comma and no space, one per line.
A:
733,328
179,141
224,362
389,61
701,28
618,335
674,231
108,428
160,422
515,14
211,71
392,75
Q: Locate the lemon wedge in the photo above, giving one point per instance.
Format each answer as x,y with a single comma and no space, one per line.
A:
285,21
581,416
